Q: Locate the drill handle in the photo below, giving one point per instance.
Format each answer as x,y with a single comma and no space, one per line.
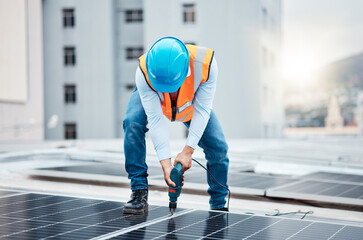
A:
176,175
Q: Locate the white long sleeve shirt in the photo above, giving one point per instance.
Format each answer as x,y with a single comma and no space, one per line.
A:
156,120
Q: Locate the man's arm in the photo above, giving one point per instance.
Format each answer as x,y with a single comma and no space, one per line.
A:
202,107
156,123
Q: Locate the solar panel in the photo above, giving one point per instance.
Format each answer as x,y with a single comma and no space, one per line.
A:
102,169
338,177
41,216
215,225
348,193
34,216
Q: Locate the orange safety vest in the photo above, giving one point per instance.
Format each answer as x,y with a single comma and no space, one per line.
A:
182,108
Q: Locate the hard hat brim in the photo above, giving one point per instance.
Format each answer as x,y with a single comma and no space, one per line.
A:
167,88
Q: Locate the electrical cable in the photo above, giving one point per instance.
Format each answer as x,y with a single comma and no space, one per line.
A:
215,180
229,196
287,213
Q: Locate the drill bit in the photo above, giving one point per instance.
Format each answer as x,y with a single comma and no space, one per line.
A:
172,207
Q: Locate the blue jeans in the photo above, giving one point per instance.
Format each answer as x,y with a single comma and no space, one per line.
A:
212,142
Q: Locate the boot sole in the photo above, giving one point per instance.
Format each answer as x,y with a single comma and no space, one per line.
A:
136,211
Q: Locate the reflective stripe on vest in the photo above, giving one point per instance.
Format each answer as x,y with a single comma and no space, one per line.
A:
199,64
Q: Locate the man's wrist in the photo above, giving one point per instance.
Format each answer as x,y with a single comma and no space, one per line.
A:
188,149
165,162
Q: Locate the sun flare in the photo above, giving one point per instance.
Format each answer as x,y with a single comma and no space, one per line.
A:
299,67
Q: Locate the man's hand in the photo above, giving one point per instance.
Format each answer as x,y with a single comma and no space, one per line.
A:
185,158
167,167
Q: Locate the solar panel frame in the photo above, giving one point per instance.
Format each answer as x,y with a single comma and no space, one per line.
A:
7,193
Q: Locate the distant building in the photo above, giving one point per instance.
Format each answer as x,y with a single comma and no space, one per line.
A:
334,118
92,49
21,70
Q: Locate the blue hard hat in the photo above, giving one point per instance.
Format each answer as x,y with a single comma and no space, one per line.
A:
167,64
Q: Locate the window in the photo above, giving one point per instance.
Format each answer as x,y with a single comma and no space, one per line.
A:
70,94
134,15
134,52
189,13
70,131
69,56
130,86
68,18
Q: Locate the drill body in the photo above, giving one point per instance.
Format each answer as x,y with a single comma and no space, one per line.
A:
176,176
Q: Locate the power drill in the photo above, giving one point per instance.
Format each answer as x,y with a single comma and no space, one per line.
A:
176,176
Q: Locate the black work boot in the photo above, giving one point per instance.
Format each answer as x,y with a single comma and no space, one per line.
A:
137,203
224,209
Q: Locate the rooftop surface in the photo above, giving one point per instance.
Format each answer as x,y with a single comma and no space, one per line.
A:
318,179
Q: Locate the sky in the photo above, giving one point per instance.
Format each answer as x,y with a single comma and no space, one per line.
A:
318,32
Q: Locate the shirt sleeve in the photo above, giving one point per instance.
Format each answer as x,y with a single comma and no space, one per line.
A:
156,121
203,102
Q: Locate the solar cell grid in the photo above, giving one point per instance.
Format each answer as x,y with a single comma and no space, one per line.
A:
37,216
236,226
348,193
337,177
316,231
349,233
244,180
355,192
102,169
33,216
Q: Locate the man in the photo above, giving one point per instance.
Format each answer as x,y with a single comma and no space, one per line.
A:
177,81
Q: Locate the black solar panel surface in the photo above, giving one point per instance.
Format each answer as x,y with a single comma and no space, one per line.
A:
40,216
35,216
244,180
339,177
213,225
112,169
325,189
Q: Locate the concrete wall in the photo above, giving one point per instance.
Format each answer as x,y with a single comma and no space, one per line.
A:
128,34
21,67
93,74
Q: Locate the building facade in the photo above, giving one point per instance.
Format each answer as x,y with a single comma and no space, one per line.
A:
21,70
79,69
91,51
